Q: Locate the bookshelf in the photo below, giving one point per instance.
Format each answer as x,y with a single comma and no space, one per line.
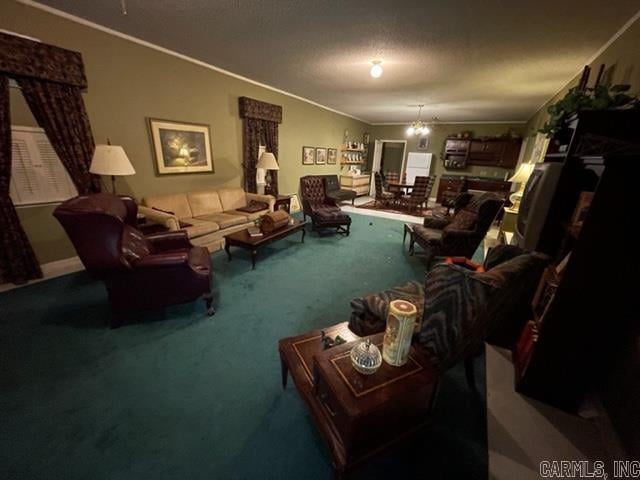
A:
573,331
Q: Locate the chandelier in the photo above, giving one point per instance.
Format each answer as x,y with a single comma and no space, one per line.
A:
418,127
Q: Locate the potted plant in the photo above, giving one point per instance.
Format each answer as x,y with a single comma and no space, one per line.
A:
600,97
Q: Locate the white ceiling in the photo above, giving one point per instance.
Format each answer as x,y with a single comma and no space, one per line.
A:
466,60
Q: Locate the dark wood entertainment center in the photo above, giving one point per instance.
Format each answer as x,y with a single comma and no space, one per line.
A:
586,339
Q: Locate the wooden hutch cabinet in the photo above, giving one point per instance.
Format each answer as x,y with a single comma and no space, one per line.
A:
494,152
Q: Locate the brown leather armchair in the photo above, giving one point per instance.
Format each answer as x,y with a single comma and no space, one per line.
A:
324,213
139,272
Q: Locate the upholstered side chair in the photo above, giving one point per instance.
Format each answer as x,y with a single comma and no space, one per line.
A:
459,235
458,309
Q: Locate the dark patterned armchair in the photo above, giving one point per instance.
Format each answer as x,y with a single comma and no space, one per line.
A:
139,272
458,309
325,214
460,234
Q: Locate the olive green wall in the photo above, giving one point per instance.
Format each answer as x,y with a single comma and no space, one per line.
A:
622,65
436,144
129,82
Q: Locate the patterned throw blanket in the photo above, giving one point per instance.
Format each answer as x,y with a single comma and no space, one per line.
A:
458,308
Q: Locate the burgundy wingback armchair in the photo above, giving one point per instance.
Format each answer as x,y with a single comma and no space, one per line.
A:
139,272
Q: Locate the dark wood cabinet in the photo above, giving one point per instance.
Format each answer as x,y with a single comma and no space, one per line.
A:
456,153
494,152
450,184
461,183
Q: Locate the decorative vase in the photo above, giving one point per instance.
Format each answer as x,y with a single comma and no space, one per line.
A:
397,336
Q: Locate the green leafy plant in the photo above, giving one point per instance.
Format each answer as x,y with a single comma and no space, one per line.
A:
601,97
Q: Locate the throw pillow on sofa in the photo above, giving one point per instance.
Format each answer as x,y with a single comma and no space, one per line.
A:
254,206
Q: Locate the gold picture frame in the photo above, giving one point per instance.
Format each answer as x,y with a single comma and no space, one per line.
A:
180,147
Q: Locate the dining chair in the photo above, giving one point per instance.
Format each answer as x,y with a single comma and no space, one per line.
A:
417,196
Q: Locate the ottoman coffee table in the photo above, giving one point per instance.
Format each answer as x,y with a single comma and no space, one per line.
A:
357,415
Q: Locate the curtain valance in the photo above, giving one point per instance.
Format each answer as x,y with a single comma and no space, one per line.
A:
21,57
251,108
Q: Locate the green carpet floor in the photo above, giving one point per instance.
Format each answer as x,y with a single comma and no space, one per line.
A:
178,394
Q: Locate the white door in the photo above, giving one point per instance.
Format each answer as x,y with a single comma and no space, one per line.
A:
375,166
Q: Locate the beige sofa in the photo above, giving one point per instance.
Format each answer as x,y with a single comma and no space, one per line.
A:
212,214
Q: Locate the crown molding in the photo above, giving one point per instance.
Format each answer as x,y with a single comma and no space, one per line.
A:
462,122
186,58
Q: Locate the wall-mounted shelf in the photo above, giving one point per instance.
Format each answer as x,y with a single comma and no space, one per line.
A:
352,156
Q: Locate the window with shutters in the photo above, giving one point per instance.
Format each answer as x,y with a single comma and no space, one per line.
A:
37,174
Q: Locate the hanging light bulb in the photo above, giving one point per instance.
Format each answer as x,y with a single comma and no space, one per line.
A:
411,130
376,69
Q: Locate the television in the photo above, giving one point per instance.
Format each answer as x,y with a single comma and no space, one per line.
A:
535,203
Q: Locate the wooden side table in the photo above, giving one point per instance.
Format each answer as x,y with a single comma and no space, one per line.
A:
283,202
357,415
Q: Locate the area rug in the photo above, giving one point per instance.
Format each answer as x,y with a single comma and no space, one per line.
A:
422,212
177,394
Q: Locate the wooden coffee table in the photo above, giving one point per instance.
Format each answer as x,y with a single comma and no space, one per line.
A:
242,239
357,415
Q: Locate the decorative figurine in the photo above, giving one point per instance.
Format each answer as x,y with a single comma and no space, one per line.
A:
328,342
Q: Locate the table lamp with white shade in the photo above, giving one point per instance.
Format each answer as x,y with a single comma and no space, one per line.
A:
521,176
267,161
111,160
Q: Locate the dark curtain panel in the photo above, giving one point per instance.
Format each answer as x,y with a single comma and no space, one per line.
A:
251,145
59,109
271,142
18,263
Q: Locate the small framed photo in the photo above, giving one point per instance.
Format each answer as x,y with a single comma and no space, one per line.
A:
180,147
423,143
308,155
332,156
321,155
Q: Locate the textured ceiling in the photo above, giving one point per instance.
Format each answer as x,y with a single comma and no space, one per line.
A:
466,60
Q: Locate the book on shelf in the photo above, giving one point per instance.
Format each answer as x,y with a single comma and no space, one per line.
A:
254,232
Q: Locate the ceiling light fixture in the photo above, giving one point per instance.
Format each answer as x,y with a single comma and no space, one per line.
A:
376,69
418,127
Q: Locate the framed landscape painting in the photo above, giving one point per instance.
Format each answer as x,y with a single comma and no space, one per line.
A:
332,156
321,156
308,155
180,147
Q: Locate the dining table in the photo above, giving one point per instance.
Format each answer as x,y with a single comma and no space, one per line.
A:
399,187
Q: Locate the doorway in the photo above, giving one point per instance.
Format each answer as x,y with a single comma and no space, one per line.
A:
389,157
